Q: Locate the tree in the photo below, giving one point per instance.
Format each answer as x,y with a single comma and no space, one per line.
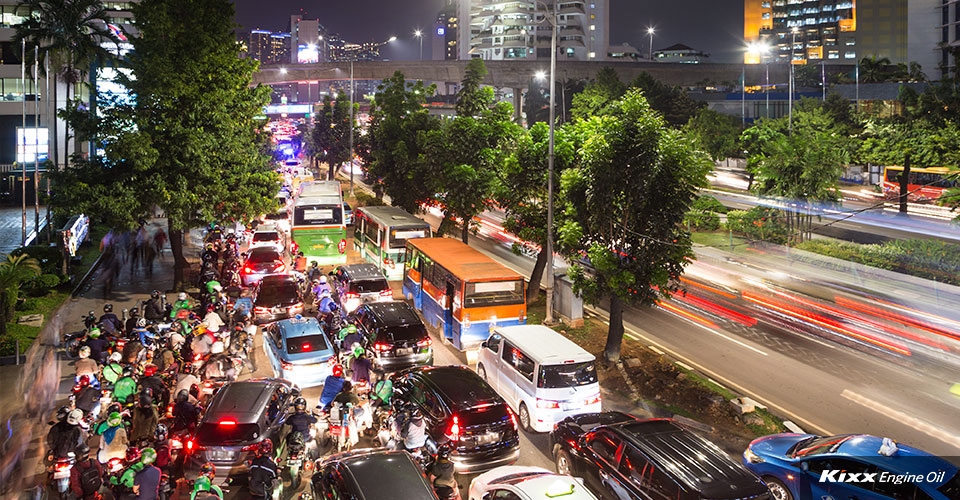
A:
14,271
329,136
673,103
190,142
875,69
466,152
598,94
623,207
716,133
70,34
394,147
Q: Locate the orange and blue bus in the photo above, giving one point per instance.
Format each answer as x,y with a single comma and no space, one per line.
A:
460,291
924,185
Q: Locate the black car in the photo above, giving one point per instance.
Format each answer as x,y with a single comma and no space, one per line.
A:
461,409
240,415
277,297
371,475
395,334
619,457
356,284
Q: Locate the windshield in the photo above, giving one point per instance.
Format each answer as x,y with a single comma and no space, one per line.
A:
226,434
285,292
399,237
567,375
307,343
402,333
317,214
266,236
494,293
278,216
818,445
368,286
264,257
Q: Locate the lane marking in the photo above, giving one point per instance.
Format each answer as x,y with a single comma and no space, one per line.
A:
731,339
655,349
683,365
920,425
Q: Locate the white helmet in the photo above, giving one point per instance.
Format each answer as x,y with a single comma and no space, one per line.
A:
74,417
216,348
176,340
182,296
116,356
141,322
323,280
85,352
218,288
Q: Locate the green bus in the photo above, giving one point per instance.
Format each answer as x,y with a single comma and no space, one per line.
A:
381,233
316,226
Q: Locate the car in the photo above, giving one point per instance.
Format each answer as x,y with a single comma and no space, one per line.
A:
356,284
347,214
299,350
542,375
261,262
371,474
526,483
280,218
240,415
395,334
267,235
277,297
621,456
798,466
461,409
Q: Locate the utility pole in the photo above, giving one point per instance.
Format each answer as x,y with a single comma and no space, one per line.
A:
553,84
22,146
793,42
36,144
350,134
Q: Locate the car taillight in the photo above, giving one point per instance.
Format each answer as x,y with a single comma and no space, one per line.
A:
381,347
191,444
247,269
513,418
454,433
261,310
546,404
197,356
286,366
227,422
280,267
342,246
593,400
251,447
294,247
386,293
427,342
350,295
466,321
389,263
295,308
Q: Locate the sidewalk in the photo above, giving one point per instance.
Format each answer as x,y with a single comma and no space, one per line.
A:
129,288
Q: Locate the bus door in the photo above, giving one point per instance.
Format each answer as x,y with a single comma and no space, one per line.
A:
413,280
448,311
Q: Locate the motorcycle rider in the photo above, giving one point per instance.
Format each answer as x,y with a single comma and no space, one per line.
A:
185,413
153,310
145,419
126,387
219,365
86,476
66,435
145,336
414,431
320,283
146,482
97,345
87,397
331,387
300,263
348,336
212,320
132,320
442,471
113,370
204,482
162,446
110,320
182,303
326,305
202,342
300,421
263,471
113,438
360,365
243,306
152,382
314,273
86,366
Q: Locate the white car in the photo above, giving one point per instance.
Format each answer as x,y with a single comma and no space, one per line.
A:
268,236
518,482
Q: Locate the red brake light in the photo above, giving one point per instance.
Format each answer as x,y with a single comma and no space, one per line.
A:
350,295
176,443
389,263
381,347
280,267
547,404
592,401
209,384
197,356
247,269
227,422
427,342
63,466
454,433
306,347
286,366
386,293
342,246
190,445
513,418
261,310
295,308
251,447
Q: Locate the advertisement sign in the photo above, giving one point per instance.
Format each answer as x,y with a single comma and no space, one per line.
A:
75,233
308,54
31,143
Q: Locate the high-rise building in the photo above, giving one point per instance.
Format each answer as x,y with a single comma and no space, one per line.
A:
445,46
279,47
498,30
840,31
308,40
258,46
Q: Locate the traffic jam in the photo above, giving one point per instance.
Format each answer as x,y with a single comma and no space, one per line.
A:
305,364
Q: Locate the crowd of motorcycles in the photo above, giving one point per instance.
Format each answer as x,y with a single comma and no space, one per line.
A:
144,378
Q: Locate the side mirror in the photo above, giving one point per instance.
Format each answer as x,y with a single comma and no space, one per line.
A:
805,466
484,344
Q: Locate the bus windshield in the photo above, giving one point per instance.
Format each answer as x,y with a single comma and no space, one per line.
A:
308,215
493,293
399,236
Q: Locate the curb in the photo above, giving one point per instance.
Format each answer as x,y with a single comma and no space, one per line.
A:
86,277
12,360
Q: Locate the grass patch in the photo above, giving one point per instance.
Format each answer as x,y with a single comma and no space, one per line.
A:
718,239
771,424
706,383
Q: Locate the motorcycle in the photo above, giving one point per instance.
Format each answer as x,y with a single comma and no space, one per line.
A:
296,455
343,426
59,471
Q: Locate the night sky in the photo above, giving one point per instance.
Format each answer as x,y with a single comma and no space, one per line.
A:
714,26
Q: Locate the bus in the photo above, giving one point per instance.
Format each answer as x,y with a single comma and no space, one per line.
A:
461,291
381,233
925,184
316,225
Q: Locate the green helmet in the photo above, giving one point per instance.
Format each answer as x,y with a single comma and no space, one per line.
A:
94,332
357,350
148,456
213,286
351,328
114,419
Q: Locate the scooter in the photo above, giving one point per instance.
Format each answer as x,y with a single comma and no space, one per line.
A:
295,459
60,474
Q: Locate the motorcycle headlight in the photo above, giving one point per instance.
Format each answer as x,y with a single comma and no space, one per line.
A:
752,457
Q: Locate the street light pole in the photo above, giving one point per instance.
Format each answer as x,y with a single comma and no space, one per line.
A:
550,160
350,134
419,34
793,42
650,31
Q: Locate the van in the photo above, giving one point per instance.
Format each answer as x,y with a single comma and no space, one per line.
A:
541,374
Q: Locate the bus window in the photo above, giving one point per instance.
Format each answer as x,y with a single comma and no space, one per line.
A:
317,214
372,232
494,293
399,237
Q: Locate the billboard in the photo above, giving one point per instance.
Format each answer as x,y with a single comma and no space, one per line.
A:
308,54
32,144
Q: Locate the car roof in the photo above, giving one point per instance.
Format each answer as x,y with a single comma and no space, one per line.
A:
459,385
277,279
259,250
363,271
394,313
550,485
697,463
386,475
243,400
302,327
544,345
266,228
866,447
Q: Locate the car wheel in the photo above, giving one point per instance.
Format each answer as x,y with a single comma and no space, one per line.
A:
524,415
778,490
482,372
564,466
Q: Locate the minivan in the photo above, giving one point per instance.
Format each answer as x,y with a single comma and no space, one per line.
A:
543,375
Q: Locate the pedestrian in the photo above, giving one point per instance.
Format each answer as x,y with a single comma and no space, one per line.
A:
149,254
159,240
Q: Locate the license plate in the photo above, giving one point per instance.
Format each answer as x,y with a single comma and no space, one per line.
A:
219,455
570,406
335,430
487,438
63,474
294,463
404,351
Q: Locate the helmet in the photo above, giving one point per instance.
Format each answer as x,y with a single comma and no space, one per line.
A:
85,352
337,370
216,348
116,356
113,420
62,412
357,349
300,404
134,311
148,456
74,417
213,286
155,294
160,434
347,386
84,380
266,447
306,496
145,400
182,296
150,370
183,395
245,292
176,340
133,454
83,451
443,451
128,371
108,308
351,328
94,332
323,280
208,470
91,313
141,322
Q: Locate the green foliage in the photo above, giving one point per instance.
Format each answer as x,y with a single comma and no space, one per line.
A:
14,272
329,138
708,204
365,200
928,144
717,133
50,258
673,103
42,284
931,259
704,214
759,223
598,94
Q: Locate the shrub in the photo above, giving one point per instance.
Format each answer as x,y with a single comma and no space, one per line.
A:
366,200
708,204
699,220
758,223
930,259
41,285
50,257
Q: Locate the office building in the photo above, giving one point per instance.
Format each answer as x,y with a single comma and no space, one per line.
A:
258,45
308,41
680,53
279,47
446,32
838,31
497,30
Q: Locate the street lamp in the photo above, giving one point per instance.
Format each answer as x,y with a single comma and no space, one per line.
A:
283,71
419,34
392,39
540,75
651,31
550,160
793,43
762,48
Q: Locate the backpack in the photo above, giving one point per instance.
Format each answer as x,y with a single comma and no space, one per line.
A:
90,479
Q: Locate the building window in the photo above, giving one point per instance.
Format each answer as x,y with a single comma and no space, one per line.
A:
593,27
850,55
833,54
592,55
766,15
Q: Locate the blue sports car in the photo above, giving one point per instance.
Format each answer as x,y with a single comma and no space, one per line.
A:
848,467
299,351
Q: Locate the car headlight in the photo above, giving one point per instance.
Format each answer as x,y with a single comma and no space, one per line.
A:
752,457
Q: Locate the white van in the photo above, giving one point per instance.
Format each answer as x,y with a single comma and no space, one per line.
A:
541,374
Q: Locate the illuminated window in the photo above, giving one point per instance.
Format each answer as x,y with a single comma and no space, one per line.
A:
592,55
593,27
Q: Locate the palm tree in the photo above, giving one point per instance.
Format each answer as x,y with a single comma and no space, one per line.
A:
874,69
13,272
69,33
